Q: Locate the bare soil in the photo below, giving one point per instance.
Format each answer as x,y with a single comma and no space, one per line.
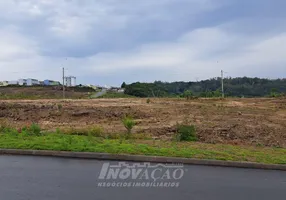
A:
43,92
256,121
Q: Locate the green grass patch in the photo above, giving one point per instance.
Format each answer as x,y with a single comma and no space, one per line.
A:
115,95
30,139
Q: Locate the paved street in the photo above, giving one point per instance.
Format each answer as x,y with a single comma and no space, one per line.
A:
43,178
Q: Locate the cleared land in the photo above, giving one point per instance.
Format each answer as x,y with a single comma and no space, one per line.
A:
251,122
43,92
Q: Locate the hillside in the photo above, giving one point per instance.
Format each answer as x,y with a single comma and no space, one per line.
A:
235,87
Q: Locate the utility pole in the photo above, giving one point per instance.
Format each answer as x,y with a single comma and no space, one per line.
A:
64,95
222,89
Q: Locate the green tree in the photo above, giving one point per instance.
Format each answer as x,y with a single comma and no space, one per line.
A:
237,87
123,85
188,94
274,93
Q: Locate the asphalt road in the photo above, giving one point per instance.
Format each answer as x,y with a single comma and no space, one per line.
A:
43,178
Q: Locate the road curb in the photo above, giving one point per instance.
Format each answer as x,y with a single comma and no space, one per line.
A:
140,158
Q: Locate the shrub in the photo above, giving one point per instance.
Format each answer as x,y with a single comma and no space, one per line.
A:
34,129
186,133
188,94
96,131
275,93
12,132
60,106
74,131
128,123
58,131
4,126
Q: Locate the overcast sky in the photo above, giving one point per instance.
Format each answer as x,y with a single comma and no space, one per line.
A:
110,41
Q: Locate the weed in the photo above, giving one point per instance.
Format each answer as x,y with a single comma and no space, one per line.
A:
4,126
141,136
74,131
69,140
60,106
34,129
259,145
90,137
58,131
75,143
96,131
128,123
64,144
12,132
115,95
148,101
186,133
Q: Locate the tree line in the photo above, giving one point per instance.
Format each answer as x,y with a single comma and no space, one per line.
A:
233,87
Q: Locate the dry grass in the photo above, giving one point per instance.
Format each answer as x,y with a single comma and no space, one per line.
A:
257,121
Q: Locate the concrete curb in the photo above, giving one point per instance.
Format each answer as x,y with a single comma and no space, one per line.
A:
140,158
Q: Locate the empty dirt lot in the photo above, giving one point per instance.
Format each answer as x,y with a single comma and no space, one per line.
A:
231,121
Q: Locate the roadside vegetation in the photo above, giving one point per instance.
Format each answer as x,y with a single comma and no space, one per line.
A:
116,95
128,123
96,140
186,133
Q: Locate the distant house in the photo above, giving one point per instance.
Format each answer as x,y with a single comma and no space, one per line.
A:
31,82
22,81
101,88
121,90
13,82
117,89
50,82
91,86
70,81
3,83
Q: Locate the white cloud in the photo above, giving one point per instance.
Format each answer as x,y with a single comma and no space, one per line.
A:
81,24
201,53
192,55
14,46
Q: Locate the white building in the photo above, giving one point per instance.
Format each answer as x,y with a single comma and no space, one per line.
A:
117,89
121,90
91,86
22,81
70,81
13,82
3,83
31,82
